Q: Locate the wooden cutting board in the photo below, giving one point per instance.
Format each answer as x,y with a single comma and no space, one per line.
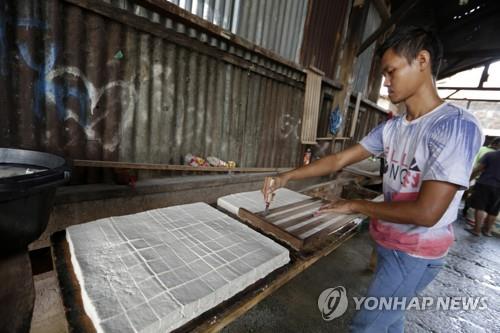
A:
297,225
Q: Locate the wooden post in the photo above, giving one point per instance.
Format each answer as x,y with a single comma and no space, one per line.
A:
355,116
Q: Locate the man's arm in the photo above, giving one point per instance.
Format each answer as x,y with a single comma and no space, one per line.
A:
432,202
317,168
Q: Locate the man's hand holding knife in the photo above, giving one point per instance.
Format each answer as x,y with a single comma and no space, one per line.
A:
271,184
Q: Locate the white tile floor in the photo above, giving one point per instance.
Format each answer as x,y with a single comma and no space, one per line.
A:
156,270
254,201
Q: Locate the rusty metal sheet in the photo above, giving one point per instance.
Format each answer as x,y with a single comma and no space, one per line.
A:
86,86
275,25
323,34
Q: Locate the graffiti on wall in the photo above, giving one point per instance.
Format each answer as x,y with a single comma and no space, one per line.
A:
289,125
67,100
48,89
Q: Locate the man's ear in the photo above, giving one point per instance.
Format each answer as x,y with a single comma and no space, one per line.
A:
424,60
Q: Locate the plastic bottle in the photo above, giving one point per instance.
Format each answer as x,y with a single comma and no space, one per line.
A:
307,156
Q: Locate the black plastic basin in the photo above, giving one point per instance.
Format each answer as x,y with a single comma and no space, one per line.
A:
28,182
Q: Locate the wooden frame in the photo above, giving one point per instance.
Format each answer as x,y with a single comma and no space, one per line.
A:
168,167
289,224
312,100
78,321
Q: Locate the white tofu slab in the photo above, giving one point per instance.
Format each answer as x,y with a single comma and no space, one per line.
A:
254,201
156,270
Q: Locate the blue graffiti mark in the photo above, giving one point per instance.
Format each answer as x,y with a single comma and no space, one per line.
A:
59,94
26,23
44,67
42,86
45,88
32,23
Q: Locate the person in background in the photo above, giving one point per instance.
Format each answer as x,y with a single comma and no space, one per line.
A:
485,198
494,145
429,151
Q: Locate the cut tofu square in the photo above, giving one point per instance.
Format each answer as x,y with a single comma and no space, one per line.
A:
254,201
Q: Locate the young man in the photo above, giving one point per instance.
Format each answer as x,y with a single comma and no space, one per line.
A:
485,197
429,152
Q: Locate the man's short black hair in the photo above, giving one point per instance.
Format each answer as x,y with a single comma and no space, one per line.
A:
407,41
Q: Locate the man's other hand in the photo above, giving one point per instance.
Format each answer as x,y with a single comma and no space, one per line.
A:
339,206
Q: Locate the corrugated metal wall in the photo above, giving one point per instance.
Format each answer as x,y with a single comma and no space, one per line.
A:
80,84
323,34
276,25
223,13
364,62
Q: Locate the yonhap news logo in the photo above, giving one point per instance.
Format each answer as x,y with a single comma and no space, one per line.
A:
439,303
333,303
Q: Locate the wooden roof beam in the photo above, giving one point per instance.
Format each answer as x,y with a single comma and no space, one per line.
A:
470,88
474,53
382,9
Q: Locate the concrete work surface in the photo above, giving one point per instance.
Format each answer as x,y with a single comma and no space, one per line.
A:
472,269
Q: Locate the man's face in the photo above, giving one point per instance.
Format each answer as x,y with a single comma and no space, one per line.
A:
401,78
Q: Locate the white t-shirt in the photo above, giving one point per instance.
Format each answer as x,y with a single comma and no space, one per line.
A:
441,145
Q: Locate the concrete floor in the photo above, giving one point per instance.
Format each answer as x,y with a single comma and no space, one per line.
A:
472,269
48,313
